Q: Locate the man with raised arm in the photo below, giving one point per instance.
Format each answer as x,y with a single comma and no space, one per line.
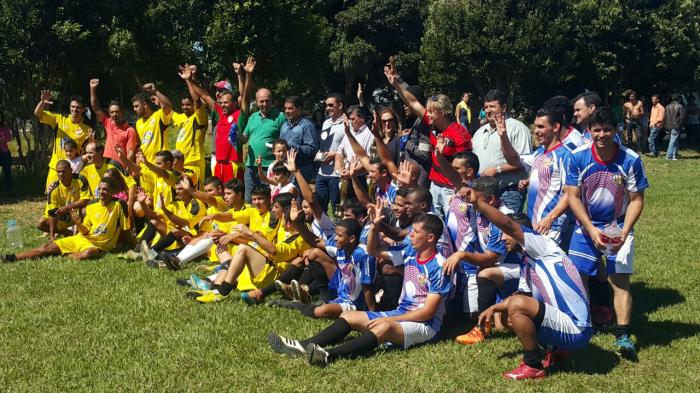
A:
119,134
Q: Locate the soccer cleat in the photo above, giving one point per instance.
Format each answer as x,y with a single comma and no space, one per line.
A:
195,293
183,282
152,263
252,298
211,297
524,372
475,336
285,346
171,261
625,347
555,357
146,252
316,355
199,283
130,255
207,268
284,289
300,291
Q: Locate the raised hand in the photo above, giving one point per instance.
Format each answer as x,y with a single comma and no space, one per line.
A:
291,163
141,197
294,211
500,123
185,72
94,83
440,144
186,184
390,71
149,88
404,177
46,96
250,65
140,157
359,91
193,70
91,133
237,68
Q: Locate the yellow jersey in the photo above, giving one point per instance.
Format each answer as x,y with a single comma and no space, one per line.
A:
152,133
164,186
64,129
62,195
94,174
263,223
105,223
192,212
190,134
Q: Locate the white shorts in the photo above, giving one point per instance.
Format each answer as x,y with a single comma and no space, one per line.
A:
415,333
470,294
345,306
510,271
554,235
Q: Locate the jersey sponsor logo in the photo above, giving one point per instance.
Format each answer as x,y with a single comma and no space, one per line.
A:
547,161
181,134
230,118
101,229
422,279
147,138
78,132
617,179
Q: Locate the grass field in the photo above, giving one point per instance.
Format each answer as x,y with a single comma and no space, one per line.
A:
107,325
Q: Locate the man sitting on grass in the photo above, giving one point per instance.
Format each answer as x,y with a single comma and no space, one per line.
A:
417,319
551,305
64,195
105,220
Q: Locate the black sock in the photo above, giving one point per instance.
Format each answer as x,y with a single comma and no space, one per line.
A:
321,279
330,335
225,288
306,277
10,258
599,292
139,222
533,358
307,310
357,346
621,330
149,233
487,293
215,286
164,242
286,277
392,286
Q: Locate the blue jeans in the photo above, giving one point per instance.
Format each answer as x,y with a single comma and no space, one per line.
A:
250,179
327,190
514,200
653,134
441,199
673,144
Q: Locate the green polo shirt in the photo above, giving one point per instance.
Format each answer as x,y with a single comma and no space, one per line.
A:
261,132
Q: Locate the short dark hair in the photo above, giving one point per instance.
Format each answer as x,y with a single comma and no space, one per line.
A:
99,147
603,116
423,195
142,97
235,185
63,163
280,169
496,95
166,155
280,141
284,199
562,104
402,192
590,98
357,209
78,99
337,97
655,95
295,100
70,144
486,185
553,115
352,227
521,219
113,103
356,109
213,180
431,224
380,164
471,158
261,189
109,181
677,97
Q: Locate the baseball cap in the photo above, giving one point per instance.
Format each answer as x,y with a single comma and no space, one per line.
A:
224,85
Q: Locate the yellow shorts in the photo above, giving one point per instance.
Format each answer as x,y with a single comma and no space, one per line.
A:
266,277
74,244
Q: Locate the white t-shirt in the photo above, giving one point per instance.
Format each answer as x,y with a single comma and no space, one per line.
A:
332,134
364,138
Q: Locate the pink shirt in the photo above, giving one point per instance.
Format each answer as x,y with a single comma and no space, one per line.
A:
5,137
118,135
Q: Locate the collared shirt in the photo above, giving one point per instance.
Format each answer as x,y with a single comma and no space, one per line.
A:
332,134
487,146
302,137
363,136
657,116
262,131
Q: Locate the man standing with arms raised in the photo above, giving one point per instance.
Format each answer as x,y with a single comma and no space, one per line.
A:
118,132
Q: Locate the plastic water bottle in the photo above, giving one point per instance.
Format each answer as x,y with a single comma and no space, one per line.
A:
611,236
13,234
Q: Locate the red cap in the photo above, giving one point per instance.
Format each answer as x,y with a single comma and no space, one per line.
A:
224,85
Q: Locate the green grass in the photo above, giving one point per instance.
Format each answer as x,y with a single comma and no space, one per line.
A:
107,325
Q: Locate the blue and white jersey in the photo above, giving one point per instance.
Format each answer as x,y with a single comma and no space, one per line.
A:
552,278
605,186
353,272
388,193
421,278
547,178
490,236
323,228
573,139
461,225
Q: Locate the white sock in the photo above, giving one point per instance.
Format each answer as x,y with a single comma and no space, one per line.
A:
191,252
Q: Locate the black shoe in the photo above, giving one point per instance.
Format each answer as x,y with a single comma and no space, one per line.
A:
183,282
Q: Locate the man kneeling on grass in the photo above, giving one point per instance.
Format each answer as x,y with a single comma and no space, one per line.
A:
551,305
417,319
105,220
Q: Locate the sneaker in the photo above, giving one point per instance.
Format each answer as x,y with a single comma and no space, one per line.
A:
284,289
252,298
555,357
195,293
316,355
207,267
475,336
211,297
153,264
524,372
197,282
130,255
146,252
625,347
601,315
301,291
285,345
183,282
171,261
651,155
